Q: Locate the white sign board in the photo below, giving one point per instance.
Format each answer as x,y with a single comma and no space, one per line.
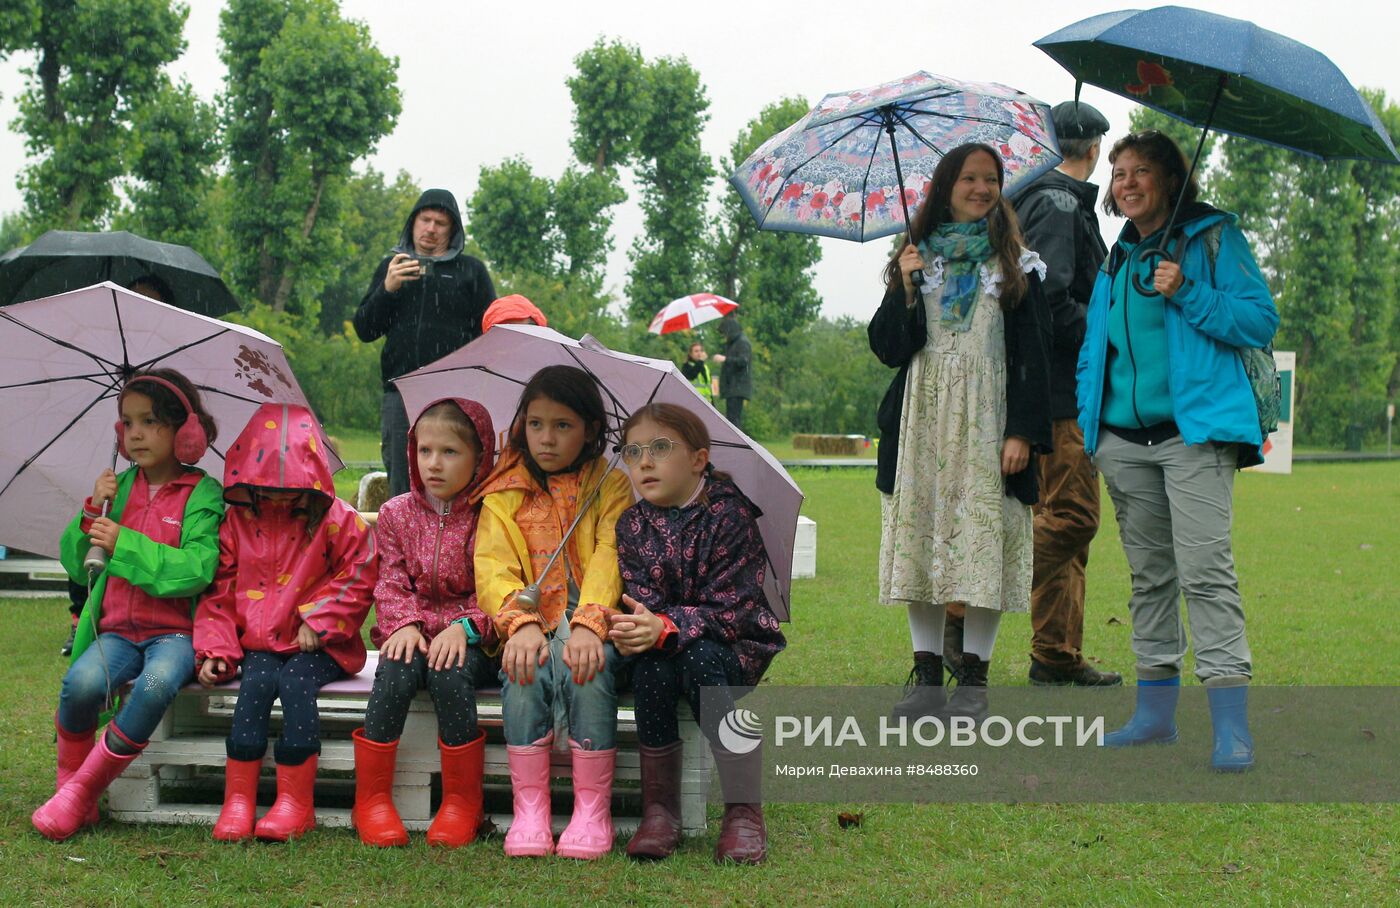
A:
1278,447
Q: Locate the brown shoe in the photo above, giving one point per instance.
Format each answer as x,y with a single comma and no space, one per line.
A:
743,838
660,829
1085,675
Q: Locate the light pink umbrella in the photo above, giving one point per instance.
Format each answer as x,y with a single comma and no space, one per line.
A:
495,367
65,362
690,312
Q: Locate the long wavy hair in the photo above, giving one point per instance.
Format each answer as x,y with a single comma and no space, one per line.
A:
1003,229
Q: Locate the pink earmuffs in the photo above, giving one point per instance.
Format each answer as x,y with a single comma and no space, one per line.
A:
190,440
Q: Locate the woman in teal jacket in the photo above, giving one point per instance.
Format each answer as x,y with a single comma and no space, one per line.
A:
1168,415
161,541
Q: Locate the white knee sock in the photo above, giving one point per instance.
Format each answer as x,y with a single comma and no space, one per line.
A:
926,627
980,632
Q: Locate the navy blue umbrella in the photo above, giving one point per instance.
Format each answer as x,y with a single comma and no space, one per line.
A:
1225,74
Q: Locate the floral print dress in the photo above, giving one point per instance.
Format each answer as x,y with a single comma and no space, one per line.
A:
949,532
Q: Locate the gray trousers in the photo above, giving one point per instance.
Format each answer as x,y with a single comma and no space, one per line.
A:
393,441
1174,507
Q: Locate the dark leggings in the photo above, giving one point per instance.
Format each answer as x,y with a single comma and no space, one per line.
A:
453,690
294,679
660,680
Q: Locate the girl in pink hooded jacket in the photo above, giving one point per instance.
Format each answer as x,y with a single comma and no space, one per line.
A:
429,630
297,568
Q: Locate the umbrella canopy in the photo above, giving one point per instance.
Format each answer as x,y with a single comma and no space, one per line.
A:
66,360
689,312
1225,74
860,161
63,260
494,368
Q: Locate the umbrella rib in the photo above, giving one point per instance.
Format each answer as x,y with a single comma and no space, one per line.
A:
53,381
865,188
867,122
917,135
39,453
180,349
230,394
617,404
121,331
61,343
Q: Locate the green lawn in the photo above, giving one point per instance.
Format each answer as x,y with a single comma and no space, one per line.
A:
1316,554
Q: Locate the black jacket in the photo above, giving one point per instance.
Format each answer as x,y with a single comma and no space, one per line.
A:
1058,221
736,372
434,315
897,332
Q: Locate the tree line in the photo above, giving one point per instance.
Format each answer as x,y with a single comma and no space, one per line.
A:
269,181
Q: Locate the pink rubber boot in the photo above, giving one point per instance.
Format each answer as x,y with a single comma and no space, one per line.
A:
529,835
293,814
66,812
72,751
590,833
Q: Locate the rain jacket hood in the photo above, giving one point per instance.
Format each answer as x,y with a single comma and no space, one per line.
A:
446,201
486,435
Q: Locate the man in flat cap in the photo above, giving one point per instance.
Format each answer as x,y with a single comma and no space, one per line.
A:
1058,220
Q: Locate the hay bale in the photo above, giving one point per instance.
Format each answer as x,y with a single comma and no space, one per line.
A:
803,442
838,445
374,491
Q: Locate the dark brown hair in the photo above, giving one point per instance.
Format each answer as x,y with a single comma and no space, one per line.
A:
1160,151
165,406
571,387
678,419
1002,227
449,414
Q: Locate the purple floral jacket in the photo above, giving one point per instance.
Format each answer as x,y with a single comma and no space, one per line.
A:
702,566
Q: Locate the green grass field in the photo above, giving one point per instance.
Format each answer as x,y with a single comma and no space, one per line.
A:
1316,553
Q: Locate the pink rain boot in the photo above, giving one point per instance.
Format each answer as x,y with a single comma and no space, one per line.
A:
240,809
65,813
590,833
529,835
72,751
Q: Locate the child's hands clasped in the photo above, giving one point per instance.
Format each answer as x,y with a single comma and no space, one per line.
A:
526,649
212,671
402,643
635,631
103,534
449,648
583,654
105,489
307,639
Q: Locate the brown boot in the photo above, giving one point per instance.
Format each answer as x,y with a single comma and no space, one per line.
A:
743,837
660,829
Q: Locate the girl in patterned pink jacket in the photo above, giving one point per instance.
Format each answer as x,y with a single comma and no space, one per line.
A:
429,630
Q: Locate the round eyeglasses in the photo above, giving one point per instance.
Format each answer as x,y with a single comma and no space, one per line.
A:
660,449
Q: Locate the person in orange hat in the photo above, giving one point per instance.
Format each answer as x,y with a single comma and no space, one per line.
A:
512,310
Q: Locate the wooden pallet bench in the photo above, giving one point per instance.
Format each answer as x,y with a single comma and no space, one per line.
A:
179,777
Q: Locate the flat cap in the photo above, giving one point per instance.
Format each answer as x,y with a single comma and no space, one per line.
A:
1077,120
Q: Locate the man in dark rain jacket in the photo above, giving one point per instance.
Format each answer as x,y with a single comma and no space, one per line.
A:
428,298
1057,217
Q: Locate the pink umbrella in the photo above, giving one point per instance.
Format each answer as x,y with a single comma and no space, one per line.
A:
66,360
691,311
495,367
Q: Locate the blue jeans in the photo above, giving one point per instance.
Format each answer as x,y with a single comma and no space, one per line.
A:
160,667
553,700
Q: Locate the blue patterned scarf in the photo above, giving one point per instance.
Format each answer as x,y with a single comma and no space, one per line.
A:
963,247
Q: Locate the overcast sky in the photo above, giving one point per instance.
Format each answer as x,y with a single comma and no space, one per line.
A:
484,81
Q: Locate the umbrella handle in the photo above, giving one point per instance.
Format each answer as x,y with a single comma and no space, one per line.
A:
1152,256
96,560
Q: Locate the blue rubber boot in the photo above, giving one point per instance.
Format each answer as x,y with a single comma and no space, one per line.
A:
1234,748
1154,717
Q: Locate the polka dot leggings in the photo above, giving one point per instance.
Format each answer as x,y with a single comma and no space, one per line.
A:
295,679
453,691
660,679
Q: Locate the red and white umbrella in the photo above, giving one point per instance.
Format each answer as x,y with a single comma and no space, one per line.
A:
690,312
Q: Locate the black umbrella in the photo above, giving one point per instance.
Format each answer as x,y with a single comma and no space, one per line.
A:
63,260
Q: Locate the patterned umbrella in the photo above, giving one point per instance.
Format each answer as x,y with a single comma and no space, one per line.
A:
66,360
841,170
691,311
